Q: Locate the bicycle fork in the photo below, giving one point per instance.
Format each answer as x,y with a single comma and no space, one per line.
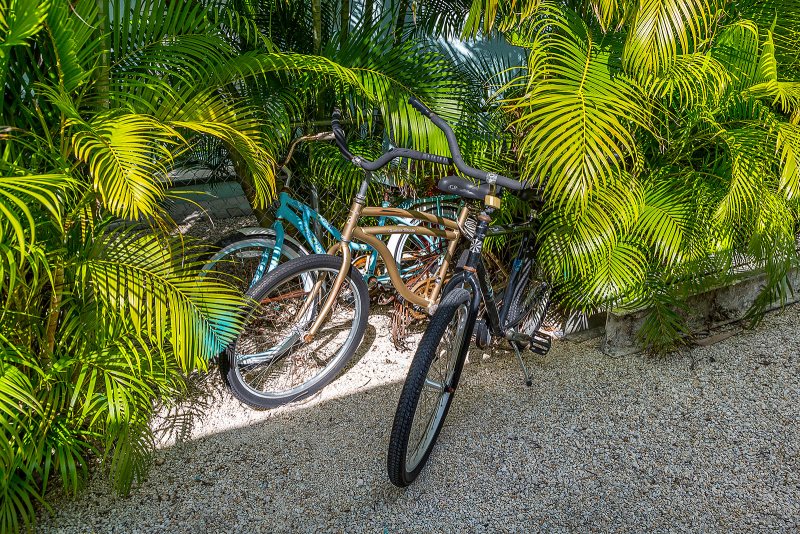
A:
347,234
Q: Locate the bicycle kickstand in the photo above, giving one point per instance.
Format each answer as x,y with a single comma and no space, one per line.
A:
528,376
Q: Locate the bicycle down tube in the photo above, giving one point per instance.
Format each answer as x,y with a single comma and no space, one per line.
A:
368,235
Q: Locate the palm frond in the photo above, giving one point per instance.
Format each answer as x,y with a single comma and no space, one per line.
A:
485,15
784,93
663,29
664,220
576,118
20,20
125,153
748,170
736,48
689,80
160,292
788,148
73,41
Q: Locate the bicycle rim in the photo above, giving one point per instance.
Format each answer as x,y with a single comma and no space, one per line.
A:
437,390
272,359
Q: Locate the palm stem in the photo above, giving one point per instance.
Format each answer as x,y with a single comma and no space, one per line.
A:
369,7
401,20
345,22
316,15
55,308
104,65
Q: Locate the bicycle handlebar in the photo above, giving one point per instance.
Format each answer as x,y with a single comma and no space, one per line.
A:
341,142
457,160
483,176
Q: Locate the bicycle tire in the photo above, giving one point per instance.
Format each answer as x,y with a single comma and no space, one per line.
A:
455,306
275,329
410,249
238,254
530,301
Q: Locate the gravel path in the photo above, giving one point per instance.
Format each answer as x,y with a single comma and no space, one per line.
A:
706,440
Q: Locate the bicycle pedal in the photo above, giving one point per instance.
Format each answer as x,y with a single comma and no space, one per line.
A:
540,343
482,335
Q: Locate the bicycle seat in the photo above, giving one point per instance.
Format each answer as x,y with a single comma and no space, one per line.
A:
463,188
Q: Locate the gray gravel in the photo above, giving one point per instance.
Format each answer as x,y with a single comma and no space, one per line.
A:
705,440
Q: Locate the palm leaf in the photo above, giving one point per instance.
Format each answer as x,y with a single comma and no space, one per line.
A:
159,291
788,148
736,48
664,220
577,120
689,80
663,29
124,154
749,168
767,85
20,20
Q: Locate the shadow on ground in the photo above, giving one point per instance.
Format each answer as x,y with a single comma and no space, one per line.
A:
706,440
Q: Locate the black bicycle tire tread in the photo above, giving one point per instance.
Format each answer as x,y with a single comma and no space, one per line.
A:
276,276
519,297
412,388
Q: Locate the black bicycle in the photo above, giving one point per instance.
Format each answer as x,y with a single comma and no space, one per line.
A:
514,314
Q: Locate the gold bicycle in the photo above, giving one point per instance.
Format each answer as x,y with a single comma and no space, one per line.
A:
309,315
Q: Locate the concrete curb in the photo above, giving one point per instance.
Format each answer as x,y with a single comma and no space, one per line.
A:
713,308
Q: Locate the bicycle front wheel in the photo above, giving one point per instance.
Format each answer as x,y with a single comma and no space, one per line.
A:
272,363
429,387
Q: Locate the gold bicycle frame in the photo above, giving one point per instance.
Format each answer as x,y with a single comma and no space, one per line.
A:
368,235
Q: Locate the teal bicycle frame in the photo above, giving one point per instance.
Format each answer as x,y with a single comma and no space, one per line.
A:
304,218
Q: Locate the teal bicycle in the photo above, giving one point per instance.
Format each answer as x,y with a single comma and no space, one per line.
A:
250,253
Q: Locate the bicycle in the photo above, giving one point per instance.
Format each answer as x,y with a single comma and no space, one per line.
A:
309,314
436,367
249,253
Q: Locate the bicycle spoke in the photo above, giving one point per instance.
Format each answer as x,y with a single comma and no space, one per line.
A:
434,385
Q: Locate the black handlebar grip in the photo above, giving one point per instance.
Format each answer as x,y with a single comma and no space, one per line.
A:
338,133
435,158
419,106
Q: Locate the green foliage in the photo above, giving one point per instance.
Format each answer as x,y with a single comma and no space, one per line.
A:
104,313
664,134
369,70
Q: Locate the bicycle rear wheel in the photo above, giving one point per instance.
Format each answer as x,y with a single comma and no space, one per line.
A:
271,363
530,301
429,387
240,256
418,255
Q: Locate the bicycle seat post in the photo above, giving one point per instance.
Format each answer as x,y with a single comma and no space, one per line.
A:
285,170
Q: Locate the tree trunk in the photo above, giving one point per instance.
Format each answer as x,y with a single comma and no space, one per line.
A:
316,17
401,20
263,215
369,11
345,22
103,71
55,311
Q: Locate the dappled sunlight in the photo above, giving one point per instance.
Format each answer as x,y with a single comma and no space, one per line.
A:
377,363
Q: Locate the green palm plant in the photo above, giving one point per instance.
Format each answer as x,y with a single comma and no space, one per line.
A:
664,135
104,313
375,65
